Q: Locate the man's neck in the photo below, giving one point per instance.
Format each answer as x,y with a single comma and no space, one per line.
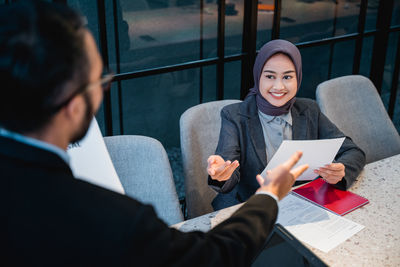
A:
49,138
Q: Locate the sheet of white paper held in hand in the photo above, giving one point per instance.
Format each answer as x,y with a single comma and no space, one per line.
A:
316,153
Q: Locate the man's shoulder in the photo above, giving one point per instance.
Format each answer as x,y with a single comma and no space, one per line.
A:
95,196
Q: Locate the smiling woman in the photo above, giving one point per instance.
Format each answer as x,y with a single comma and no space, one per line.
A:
252,131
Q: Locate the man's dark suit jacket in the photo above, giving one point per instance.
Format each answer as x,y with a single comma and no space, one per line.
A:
241,138
51,218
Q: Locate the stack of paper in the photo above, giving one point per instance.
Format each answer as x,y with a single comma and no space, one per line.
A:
313,225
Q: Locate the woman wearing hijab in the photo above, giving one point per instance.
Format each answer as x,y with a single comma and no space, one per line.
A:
252,131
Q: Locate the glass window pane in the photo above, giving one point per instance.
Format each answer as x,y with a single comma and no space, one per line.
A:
159,33
366,56
101,116
298,27
153,105
232,80
89,10
306,20
396,13
372,13
265,18
343,57
315,69
234,10
347,17
115,109
389,66
209,83
210,28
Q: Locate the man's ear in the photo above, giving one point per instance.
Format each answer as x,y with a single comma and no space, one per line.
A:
74,108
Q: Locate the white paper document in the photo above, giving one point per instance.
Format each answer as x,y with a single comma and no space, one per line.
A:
316,153
91,162
313,225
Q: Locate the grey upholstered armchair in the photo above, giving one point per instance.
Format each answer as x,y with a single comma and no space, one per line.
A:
145,173
354,105
199,132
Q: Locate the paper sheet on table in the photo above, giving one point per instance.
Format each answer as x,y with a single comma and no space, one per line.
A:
316,153
91,162
314,225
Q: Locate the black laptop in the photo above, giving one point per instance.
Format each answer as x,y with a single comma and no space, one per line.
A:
283,249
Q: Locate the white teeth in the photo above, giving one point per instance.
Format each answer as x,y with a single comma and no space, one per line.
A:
278,94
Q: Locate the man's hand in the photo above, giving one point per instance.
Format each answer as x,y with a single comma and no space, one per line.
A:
280,180
332,173
219,169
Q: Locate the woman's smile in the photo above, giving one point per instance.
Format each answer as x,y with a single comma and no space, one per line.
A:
278,95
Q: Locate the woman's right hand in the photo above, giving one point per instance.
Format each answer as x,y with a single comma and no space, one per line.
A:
219,169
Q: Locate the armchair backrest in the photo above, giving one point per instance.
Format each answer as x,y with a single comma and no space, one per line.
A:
145,173
354,105
199,132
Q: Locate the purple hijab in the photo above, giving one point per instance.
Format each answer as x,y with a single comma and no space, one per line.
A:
266,52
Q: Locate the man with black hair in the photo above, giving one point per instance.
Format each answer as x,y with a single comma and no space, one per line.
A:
51,87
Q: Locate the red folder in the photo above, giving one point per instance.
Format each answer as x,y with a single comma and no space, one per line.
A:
325,195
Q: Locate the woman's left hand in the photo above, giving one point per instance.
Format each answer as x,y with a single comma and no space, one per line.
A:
332,173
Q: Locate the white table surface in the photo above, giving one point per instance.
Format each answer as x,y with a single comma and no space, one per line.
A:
378,244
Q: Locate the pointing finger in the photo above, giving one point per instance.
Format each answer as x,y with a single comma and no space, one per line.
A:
293,160
260,180
299,170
